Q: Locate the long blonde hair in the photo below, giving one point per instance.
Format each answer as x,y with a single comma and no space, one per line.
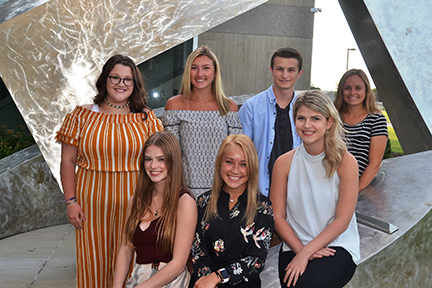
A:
252,166
217,88
370,100
334,144
175,182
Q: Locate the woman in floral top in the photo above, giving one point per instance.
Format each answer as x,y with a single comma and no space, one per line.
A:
235,221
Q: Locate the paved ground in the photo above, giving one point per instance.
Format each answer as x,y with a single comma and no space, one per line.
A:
45,258
42,258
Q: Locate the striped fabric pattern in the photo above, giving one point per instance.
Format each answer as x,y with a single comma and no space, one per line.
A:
109,148
359,137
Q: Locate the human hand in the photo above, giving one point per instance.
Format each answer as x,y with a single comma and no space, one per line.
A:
323,252
209,281
295,269
75,215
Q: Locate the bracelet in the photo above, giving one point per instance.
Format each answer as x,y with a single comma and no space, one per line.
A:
70,199
74,201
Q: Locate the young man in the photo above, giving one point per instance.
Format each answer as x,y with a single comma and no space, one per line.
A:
267,117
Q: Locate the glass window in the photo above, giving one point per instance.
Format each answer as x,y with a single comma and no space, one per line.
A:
163,73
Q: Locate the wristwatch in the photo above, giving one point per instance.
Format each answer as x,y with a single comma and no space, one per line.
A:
224,276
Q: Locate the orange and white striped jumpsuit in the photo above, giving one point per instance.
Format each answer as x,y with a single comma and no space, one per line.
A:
109,148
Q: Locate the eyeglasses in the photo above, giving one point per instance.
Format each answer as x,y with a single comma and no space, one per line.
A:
115,80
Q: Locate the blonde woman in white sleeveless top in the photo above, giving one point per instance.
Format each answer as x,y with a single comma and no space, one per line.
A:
314,194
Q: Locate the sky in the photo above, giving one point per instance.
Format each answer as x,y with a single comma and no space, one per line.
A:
332,37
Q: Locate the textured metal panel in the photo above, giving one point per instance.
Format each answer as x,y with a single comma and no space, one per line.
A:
52,54
394,39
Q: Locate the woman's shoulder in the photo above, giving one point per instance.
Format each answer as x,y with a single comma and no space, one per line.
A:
175,103
376,116
287,156
348,163
233,105
186,201
203,199
262,198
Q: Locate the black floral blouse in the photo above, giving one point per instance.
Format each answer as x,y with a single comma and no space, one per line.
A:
226,242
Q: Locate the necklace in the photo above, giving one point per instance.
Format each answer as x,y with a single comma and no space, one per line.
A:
156,212
117,106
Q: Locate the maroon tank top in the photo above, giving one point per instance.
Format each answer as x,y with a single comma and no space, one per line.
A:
145,243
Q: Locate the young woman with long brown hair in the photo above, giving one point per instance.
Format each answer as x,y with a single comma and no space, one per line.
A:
161,220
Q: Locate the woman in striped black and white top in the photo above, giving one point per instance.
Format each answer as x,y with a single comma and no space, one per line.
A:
366,125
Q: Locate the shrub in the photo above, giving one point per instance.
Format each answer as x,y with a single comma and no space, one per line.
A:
388,150
12,141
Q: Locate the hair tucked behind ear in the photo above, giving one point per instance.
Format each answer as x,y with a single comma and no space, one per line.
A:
335,147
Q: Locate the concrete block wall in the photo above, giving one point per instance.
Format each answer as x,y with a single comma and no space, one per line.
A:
244,45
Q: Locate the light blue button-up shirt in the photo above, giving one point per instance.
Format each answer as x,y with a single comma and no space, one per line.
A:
258,116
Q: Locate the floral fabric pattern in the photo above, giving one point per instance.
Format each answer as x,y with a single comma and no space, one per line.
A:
225,241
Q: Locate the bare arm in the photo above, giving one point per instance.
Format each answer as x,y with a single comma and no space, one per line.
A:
278,195
186,223
376,152
67,173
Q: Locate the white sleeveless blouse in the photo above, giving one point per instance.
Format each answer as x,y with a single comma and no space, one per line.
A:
311,203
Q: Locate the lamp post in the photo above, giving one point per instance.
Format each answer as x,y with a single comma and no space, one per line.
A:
348,50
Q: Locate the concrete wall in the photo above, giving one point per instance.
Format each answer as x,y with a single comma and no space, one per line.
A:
30,198
245,44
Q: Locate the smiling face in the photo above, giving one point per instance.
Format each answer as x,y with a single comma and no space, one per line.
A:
202,73
285,72
354,91
154,164
233,169
311,126
118,94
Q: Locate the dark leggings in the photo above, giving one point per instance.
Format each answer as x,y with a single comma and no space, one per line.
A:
334,271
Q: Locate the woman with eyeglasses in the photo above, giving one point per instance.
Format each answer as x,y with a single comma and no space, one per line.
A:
104,140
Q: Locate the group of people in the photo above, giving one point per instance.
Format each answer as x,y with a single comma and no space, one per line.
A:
197,205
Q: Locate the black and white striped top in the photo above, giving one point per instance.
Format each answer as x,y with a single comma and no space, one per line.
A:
359,137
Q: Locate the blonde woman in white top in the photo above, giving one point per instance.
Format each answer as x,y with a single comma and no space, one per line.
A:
314,194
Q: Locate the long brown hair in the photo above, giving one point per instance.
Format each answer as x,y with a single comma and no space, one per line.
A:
217,88
138,99
334,144
252,166
175,182
370,99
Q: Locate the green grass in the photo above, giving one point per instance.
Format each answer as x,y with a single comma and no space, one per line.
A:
395,145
